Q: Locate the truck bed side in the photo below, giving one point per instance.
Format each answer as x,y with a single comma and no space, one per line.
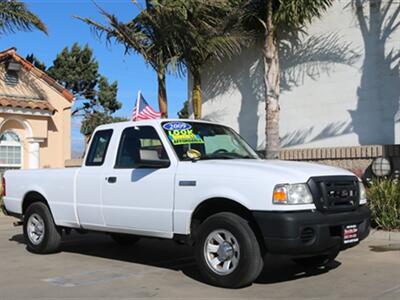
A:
57,186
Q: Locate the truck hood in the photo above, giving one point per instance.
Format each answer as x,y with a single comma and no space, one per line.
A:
281,171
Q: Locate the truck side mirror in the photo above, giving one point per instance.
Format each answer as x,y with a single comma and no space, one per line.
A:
150,159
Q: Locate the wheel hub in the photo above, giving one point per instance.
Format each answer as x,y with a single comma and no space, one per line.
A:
221,252
225,251
36,229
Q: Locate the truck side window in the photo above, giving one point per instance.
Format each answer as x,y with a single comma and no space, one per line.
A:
98,148
136,142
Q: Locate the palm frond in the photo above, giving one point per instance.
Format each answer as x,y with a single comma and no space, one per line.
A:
14,16
150,33
288,15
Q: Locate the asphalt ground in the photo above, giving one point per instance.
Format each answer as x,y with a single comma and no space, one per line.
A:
92,266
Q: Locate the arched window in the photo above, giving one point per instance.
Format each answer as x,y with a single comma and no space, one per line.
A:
10,150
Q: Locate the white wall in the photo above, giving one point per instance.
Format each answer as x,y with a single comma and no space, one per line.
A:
339,87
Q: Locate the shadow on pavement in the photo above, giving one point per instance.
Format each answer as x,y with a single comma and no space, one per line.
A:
281,269
385,248
170,255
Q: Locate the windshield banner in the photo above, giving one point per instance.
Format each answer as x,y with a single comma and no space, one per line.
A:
181,133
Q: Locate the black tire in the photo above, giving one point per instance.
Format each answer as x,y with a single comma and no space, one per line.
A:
124,239
317,261
51,240
249,262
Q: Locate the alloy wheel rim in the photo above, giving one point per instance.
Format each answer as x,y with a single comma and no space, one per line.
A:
36,229
222,252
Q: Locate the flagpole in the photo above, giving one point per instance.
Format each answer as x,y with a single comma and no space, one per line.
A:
137,104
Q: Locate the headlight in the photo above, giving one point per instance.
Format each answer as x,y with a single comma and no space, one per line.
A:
298,193
363,193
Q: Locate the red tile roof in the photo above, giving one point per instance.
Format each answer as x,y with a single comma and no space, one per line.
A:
12,53
29,104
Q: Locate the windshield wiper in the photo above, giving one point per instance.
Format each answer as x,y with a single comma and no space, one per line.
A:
219,156
247,157
216,157
226,156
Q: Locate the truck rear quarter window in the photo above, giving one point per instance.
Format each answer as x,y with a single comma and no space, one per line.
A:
98,148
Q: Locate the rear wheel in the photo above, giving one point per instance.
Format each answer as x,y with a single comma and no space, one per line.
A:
124,239
317,261
40,231
227,251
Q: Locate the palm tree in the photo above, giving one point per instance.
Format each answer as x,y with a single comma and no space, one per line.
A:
15,16
271,21
151,34
206,31
173,34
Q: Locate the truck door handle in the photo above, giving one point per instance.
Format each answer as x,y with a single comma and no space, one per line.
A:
111,179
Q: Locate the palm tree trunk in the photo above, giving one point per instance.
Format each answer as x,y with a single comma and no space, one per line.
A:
272,86
162,94
196,94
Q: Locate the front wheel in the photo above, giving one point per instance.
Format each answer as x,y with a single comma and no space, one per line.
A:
40,232
227,251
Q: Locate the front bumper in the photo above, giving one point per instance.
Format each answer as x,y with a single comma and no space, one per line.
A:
310,232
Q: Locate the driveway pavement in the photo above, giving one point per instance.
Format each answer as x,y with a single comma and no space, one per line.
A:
92,266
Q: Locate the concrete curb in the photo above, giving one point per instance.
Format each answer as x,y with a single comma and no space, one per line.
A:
385,235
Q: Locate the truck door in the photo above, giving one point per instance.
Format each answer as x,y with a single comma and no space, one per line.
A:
89,181
138,193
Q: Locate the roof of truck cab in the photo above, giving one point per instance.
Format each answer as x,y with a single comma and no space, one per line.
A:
148,122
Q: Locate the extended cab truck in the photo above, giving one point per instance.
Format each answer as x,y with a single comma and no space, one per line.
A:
197,182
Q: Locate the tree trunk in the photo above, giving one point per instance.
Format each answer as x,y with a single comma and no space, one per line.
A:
272,86
196,94
162,94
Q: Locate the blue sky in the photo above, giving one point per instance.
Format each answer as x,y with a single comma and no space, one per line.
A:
131,72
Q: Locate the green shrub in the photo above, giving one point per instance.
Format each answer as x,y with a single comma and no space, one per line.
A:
384,201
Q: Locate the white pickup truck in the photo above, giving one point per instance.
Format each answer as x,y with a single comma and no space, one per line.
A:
195,182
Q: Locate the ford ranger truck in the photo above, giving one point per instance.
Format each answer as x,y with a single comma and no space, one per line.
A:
195,182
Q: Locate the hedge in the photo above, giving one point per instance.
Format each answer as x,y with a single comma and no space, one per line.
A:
384,201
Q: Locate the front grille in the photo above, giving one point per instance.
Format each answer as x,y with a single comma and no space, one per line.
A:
335,193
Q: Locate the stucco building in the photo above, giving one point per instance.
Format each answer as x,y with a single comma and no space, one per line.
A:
339,87
35,116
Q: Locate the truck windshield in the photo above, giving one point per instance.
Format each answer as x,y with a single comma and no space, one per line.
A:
199,141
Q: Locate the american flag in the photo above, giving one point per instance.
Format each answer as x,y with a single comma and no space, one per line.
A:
143,110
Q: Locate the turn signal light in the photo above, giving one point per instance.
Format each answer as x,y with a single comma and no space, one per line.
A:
280,195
